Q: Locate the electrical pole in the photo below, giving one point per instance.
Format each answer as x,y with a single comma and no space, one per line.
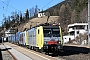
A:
48,15
4,29
88,22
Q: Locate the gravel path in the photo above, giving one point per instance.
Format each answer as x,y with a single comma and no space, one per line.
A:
80,56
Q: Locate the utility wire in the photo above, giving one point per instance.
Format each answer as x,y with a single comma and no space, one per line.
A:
47,4
50,2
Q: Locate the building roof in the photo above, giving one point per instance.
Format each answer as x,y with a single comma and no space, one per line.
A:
76,24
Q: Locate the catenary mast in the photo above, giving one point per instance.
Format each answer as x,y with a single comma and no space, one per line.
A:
88,22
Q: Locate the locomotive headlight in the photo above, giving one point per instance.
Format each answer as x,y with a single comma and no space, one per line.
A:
45,42
59,42
58,47
46,47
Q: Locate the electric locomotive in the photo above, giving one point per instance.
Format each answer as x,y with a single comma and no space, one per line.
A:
45,38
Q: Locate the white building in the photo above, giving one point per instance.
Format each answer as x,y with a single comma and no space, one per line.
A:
41,14
9,33
74,30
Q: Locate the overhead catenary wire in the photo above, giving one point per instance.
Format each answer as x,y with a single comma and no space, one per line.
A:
10,6
7,5
4,10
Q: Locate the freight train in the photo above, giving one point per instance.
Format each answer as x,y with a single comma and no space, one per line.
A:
40,38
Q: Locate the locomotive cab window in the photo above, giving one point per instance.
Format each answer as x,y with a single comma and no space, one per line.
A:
56,32
51,32
38,31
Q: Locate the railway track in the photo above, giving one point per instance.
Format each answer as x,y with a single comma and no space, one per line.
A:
73,55
64,55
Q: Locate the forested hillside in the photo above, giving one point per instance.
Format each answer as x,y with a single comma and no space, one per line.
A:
70,11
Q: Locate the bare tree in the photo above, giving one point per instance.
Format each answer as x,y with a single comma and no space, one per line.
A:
65,16
73,18
84,15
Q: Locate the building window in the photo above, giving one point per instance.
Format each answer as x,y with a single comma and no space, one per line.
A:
77,32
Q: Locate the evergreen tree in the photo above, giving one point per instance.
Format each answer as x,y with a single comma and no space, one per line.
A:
21,19
27,15
36,9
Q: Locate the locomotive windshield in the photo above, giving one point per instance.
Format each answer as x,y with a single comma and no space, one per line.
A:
48,32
